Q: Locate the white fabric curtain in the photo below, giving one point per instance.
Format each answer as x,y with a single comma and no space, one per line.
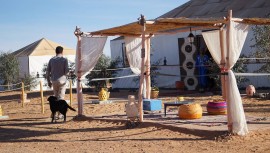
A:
133,52
237,34
212,41
91,50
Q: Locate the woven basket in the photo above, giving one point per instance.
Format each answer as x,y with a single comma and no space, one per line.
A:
190,111
217,108
154,94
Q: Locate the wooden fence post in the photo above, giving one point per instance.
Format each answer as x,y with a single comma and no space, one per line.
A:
41,95
70,92
22,97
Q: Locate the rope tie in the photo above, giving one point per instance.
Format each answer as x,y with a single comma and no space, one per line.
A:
224,71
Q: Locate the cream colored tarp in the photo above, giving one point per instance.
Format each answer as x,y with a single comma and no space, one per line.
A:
133,52
91,50
237,36
47,47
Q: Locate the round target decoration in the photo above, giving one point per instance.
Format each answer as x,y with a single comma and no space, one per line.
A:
189,50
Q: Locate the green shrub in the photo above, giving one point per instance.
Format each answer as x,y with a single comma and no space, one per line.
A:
104,63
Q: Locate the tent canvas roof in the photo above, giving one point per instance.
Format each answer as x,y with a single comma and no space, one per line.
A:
42,47
202,14
219,8
163,25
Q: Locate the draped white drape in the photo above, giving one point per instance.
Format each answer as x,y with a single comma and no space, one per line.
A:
212,41
236,36
133,52
91,50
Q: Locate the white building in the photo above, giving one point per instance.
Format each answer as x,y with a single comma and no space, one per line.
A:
181,55
33,57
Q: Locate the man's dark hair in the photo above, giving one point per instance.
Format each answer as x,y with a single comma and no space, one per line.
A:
59,50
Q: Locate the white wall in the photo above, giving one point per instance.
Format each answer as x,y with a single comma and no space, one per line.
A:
23,66
161,46
36,64
116,51
167,46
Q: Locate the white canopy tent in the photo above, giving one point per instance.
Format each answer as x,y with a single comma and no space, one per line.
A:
225,54
33,57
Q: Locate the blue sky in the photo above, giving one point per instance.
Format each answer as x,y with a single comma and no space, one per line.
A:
26,21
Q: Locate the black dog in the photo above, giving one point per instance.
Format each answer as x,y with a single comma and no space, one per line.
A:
58,105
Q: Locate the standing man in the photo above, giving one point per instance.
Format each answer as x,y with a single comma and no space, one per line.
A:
201,63
57,71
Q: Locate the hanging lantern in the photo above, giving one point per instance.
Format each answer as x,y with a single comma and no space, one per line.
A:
191,37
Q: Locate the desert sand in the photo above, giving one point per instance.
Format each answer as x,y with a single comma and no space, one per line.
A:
103,129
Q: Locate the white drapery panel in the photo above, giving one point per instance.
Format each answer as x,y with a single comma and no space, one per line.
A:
133,52
237,34
212,41
91,50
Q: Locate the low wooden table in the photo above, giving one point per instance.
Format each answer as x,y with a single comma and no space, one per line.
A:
175,104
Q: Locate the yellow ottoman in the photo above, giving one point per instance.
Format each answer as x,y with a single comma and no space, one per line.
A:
190,111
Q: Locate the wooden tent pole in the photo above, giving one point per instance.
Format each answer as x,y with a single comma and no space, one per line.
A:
41,96
222,63
22,97
70,92
78,33
147,66
228,35
140,94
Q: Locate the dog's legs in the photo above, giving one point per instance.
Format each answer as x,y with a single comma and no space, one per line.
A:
53,117
65,117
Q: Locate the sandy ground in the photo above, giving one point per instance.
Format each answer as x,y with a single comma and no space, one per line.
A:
28,130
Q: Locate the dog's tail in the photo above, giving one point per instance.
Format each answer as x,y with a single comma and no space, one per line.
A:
71,108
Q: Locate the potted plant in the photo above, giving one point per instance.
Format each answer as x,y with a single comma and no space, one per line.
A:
104,69
154,92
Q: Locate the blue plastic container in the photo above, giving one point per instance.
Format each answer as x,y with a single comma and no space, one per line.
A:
152,104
